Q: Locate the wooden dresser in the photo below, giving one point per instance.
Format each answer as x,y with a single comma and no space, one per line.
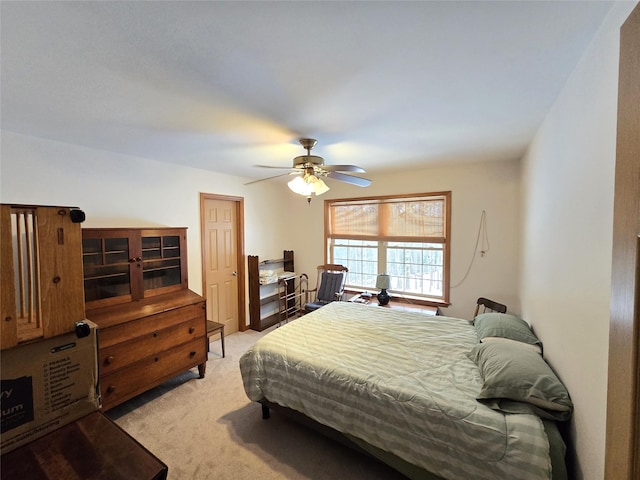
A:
151,326
144,343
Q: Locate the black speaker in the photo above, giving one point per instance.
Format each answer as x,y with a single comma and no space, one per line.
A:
77,215
82,329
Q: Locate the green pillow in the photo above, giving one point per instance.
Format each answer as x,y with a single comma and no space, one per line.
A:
518,380
505,327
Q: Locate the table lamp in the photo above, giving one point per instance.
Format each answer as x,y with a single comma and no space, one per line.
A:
383,282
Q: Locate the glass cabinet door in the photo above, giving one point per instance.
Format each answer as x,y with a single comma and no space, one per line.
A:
106,263
161,261
129,264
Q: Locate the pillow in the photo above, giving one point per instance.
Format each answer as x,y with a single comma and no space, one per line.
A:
518,380
496,326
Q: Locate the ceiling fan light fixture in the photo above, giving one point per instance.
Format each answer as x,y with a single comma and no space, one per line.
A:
308,185
311,169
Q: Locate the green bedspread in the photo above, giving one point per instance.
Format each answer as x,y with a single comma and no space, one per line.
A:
401,382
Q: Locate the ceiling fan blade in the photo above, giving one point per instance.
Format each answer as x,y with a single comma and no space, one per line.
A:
352,179
270,166
342,168
269,178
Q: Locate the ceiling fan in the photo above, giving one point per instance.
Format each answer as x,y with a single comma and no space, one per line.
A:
310,168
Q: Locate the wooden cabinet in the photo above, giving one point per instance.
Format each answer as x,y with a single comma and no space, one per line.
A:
265,289
152,327
41,272
123,265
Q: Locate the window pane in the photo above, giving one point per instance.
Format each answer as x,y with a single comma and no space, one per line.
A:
416,267
360,257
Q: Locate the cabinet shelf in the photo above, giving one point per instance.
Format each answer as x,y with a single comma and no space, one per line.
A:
269,299
98,277
162,269
272,261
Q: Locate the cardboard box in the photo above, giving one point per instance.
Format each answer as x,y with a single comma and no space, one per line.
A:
47,384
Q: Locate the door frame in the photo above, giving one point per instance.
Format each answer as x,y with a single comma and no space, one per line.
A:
622,458
239,206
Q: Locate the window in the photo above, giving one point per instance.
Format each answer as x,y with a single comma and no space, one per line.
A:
407,237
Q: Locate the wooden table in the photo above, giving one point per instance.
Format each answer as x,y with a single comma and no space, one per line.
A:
396,305
91,448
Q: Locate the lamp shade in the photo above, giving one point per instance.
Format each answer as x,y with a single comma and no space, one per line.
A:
299,186
307,185
320,187
383,281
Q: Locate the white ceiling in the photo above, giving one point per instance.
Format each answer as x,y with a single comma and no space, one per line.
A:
227,85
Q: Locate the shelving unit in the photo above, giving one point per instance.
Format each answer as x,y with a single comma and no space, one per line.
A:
264,298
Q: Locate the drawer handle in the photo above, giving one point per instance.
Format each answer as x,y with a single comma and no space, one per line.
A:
192,329
192,354
108,360
156,359
111,388
155,334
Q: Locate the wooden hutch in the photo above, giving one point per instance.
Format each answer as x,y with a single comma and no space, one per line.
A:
152,327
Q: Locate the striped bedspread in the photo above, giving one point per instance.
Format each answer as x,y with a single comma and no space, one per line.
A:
401,382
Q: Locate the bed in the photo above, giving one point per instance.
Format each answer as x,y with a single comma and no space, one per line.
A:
410,390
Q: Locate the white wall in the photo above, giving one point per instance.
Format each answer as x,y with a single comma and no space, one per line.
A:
568,186
491,186
122,191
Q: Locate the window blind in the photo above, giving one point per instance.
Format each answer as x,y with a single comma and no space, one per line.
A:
404,219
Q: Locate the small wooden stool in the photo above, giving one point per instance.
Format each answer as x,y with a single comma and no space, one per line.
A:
212,329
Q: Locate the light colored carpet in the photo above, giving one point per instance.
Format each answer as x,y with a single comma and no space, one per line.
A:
208,429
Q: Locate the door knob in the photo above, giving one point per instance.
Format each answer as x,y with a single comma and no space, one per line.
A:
235,274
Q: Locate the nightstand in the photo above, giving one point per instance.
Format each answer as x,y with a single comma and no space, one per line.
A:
396,305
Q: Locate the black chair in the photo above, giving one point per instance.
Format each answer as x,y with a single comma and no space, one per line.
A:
329,286
489,306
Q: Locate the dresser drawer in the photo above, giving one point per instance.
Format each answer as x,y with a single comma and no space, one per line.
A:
149,324
120,355
137,377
